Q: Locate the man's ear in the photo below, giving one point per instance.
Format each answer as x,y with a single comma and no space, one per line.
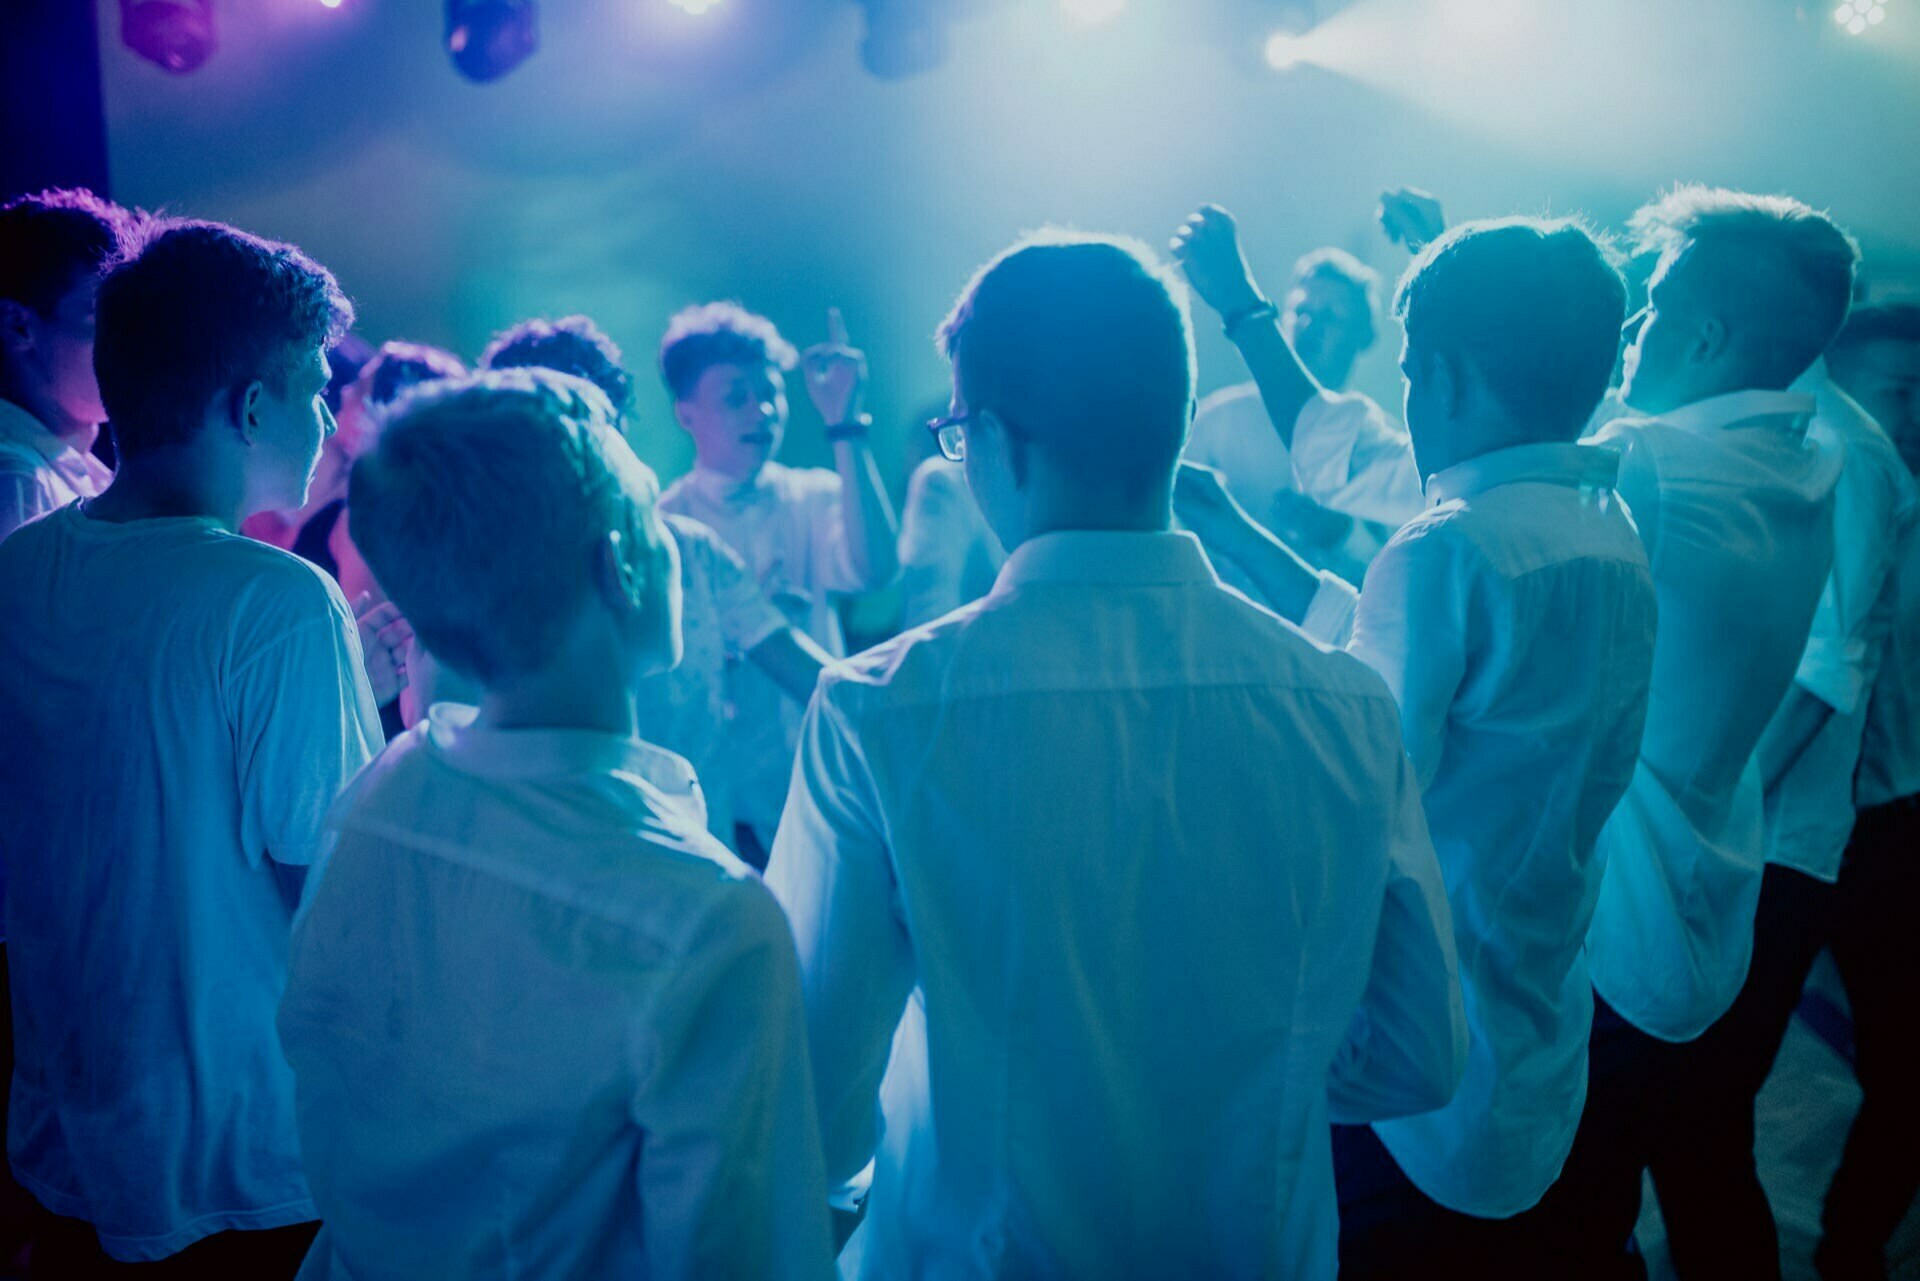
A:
1709,341
18,332
1447,380
1008,443
622,582
681,414
244,410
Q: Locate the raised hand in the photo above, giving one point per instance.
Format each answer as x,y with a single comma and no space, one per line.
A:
836,373
1411,217
1207,247
384,637
1202,501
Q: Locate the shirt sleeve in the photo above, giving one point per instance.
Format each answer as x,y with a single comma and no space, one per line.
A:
304,721
1329,617
747,617
23,496
1849,625
832,871
933,547
1407,1046
730,1175
826,514
1347,455
1411,627
1638,483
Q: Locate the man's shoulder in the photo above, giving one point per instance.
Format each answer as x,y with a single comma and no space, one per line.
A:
1274,651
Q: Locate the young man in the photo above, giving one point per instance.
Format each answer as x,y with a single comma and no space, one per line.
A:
541,1023
1735,504
1876,360
1154,862
1514,623
52,248
948,556
805,533
182,705
726,621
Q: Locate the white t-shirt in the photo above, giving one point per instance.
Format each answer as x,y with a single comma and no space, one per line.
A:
543,1025
181,706
788,526
1157,867
1735,507
1348,455
948,554
1810,810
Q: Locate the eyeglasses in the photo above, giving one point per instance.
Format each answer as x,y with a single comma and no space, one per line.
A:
950,433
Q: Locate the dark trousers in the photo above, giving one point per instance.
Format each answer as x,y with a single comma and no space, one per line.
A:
68,1250
1641,1094
1875,944
1389,1228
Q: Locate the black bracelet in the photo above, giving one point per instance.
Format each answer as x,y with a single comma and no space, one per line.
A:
855,428
1261,310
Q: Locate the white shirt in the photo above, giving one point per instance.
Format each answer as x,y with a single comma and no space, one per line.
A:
1890,747
1735,507
39,471
1810,810
723,616
1514,622
543,1025
1350,456
948,555
1156,866
181,707
788,525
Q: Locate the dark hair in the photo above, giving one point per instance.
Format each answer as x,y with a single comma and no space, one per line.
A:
1082,342
52,240
718,333
1535,305
199,312
400,365
1879,322
573,345
1783,267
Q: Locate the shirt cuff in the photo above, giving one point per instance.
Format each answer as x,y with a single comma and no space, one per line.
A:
1329,617
1834,672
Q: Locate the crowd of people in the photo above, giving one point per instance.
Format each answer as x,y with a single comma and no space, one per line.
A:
1280,841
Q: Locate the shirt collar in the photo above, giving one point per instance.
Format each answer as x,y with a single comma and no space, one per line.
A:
1559,463
1106,556
18,425
1785,409
547,753
727,491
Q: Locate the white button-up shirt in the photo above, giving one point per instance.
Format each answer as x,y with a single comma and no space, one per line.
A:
1514,622
1350,456
723,616
40,472
179,707
1810,810
788,526
948,555
1890,748
543,1025
1735,507
1155,868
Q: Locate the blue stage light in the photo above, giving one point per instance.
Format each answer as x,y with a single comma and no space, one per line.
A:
488,38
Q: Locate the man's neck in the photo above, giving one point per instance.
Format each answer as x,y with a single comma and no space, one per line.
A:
70,431
174,482
578,690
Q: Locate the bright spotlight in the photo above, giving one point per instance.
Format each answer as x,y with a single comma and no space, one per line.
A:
330,4
696,7
1857,15
1093,13
489,38
1285,50
904,37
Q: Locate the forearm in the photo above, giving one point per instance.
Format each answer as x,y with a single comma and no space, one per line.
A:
1284,383
871,532
1285,582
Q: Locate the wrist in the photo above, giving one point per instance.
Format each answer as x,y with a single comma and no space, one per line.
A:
854,428
1250,312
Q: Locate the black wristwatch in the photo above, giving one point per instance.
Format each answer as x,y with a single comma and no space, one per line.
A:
855,428
1264,309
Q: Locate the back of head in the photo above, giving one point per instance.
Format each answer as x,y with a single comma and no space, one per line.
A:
460,460
718,333
53,240
1872,323
1876,359
1777,273
1082,344
400,366
1337,266
1533,305
572,345
198,312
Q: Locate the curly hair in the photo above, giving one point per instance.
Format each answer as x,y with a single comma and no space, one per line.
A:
398,366
718,333
200,311
572,345
51,240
